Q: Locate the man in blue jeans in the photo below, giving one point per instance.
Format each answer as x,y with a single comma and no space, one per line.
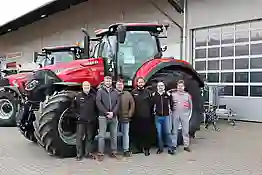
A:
126,111
162,102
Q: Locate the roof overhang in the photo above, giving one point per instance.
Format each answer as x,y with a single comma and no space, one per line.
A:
46,10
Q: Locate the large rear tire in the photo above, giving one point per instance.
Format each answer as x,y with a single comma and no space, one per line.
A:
57,125
9,107
170,76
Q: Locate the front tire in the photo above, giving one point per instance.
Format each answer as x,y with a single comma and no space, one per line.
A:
9,107
57,125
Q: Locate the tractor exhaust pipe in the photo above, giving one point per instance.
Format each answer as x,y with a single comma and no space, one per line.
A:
86,42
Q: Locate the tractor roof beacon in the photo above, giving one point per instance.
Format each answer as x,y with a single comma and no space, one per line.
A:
124,51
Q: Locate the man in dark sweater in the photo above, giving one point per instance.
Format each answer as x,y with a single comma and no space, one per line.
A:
107,101
162,102
142,122
86,121
126,111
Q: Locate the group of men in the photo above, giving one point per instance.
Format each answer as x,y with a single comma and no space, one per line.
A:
138,114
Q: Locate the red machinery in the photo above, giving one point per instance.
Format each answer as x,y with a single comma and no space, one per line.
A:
123,51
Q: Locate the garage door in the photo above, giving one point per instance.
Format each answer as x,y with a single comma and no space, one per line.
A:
230,56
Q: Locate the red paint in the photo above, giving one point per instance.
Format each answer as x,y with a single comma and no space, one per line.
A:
150,65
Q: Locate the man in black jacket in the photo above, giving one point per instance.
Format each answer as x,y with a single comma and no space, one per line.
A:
86,124
163,104
142,123
107,101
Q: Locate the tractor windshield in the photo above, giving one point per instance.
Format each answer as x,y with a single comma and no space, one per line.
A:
58,57
139,46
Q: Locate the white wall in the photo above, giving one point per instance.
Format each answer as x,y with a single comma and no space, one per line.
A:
64,27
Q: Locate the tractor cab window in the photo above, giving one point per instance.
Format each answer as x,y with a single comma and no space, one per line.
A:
108,47
139,46
58,57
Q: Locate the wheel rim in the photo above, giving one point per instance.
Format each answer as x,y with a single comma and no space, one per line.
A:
6,109
67,127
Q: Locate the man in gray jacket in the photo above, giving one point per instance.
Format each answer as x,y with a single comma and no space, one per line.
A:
181,113
107,101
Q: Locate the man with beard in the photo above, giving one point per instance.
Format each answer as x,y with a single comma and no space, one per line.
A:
86,123
142,122
107,101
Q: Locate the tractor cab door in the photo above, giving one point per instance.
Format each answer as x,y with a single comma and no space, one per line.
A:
107,50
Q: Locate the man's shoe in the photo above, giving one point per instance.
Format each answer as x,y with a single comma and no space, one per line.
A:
100,157
78,158
127,154
90,156
114,155
159,151
172,151
147,152
187,149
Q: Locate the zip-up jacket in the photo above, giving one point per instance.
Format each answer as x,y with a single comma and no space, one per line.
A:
86,106
127,106
162,104
143,103
107,101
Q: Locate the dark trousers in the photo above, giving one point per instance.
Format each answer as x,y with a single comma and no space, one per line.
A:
85,135
142,133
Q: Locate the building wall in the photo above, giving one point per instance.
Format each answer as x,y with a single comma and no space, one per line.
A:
64,27
244,36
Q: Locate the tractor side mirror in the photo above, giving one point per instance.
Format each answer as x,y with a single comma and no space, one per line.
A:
35,56
52,60
164,48
121,34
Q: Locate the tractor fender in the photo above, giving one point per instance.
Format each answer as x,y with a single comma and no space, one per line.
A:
14,89
151,67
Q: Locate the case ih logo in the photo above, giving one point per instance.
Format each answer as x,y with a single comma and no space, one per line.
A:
10,56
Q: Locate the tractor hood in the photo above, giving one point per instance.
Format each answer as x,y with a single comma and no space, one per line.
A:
66,66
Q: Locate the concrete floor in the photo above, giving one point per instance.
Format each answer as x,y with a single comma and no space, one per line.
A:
232,151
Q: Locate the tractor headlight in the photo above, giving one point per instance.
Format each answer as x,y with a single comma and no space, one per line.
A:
31,85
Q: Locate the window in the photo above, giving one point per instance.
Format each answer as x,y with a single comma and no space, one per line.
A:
256,49
241,90
213,77
227,91
200,53
256,35
200,65
201,37
213,65
256,91
241,77
242,63
255,63
227,77
256,77
242,36
227,64
214,36
227,51
227,38
242,50
214,52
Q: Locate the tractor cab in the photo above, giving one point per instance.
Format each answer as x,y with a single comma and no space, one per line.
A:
126,47
58,54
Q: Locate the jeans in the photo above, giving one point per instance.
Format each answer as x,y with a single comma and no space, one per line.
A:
176,119
125,131
113,128
163,129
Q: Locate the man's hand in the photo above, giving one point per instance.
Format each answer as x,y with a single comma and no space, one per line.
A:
109,115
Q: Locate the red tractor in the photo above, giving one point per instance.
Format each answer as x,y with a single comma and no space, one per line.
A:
11,93
123,51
